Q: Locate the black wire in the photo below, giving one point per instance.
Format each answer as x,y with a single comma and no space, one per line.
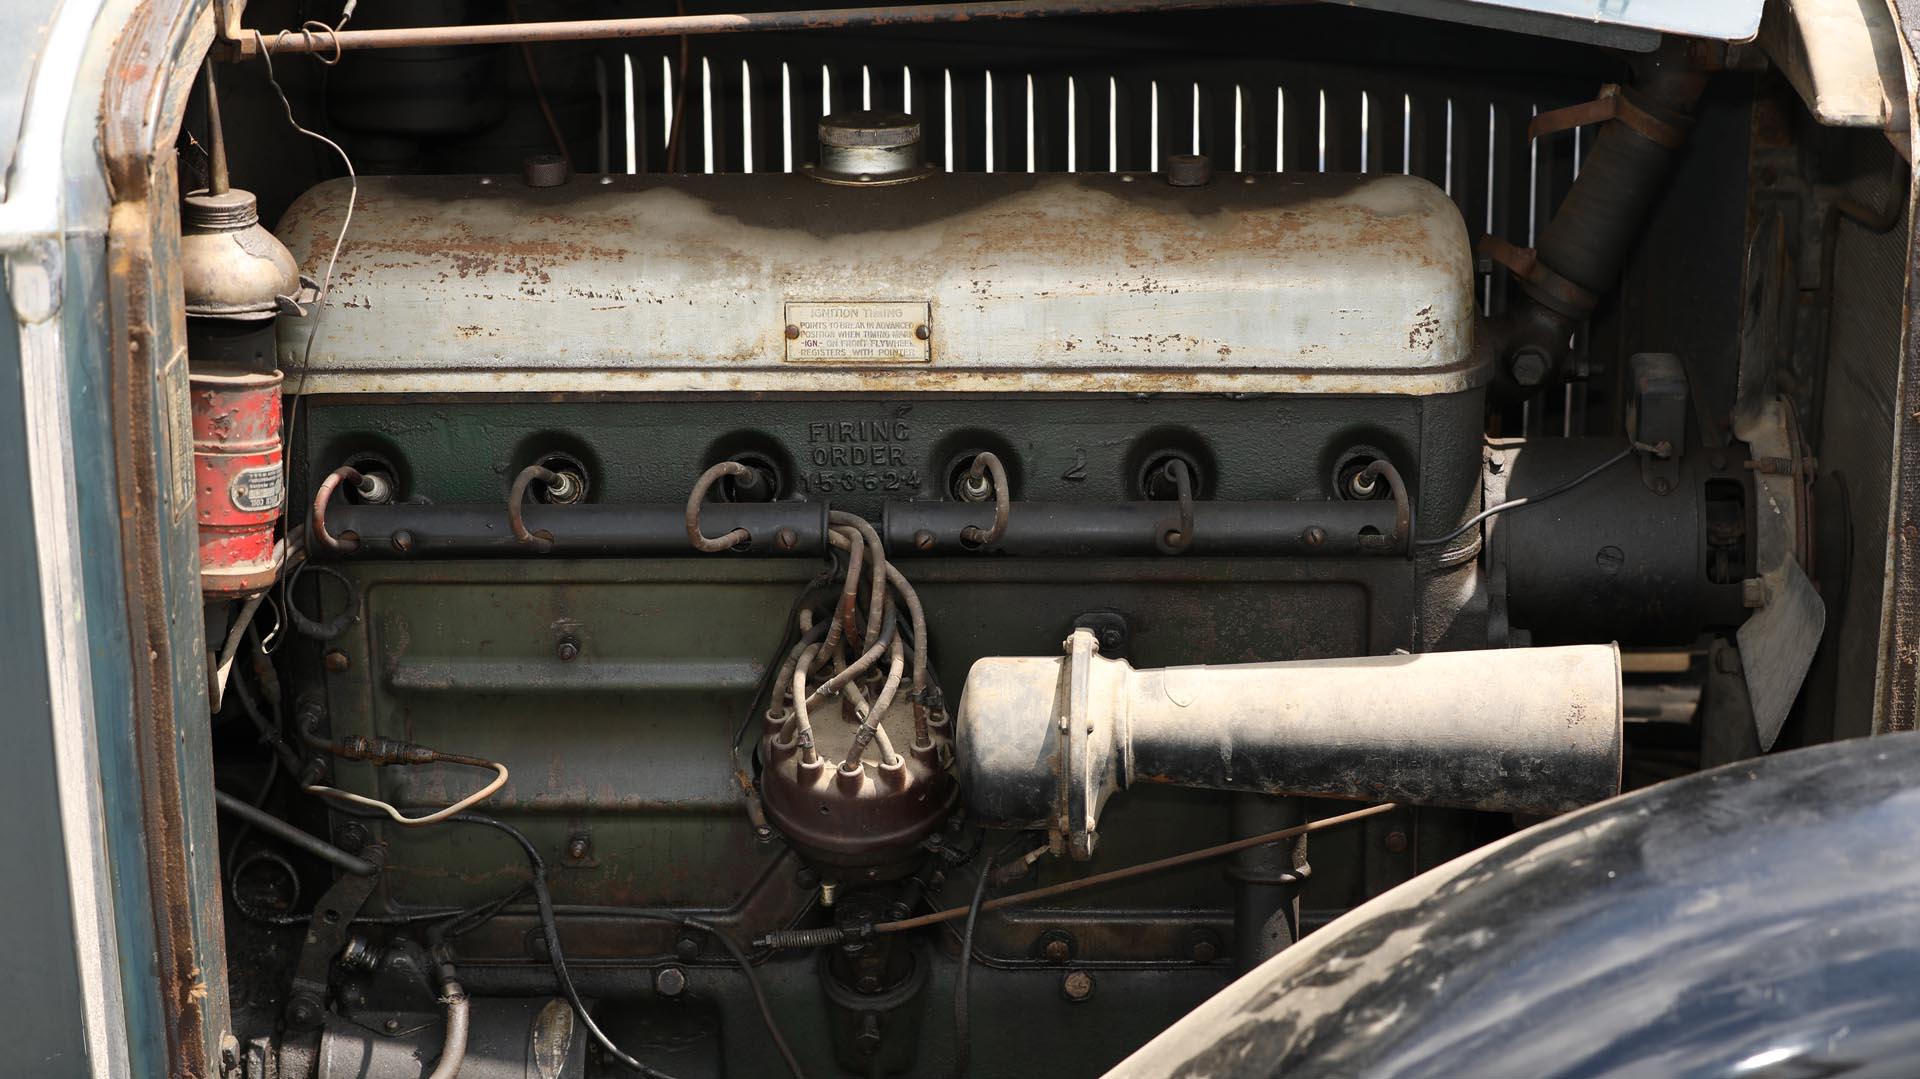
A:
961,1019
543,900
1529,500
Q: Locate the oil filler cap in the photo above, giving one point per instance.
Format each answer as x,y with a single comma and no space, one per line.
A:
870,147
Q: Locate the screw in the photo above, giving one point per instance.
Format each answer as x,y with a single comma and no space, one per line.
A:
351,837
1076,986
922,332
793,332
786,539
391,1026
1610,559
923,540
1529,367
1057,950
568,650
578,847
1314,536
670,981
403,541
1397,842
335,661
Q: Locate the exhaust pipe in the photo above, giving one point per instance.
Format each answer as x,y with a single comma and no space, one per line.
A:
1044,741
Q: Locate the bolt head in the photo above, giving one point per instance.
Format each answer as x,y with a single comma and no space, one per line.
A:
568,649
1057,951
351,838
686,948
1314,536
670,981
335,661
1397,842
923,540
1204,951
793,332
1076,986
391,1026
786,539
1529,367
921,332
403,541
579,847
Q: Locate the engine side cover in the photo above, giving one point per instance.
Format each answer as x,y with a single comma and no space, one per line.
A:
1002,282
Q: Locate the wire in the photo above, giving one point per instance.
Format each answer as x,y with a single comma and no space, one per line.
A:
1529,500
217,687
326,279
499,780
961,1019
543,901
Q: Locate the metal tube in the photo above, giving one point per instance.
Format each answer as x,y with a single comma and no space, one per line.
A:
1529,730
1326,528
280,829
1044,741
330,42
778,530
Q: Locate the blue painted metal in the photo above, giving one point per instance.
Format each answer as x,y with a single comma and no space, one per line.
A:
1760,920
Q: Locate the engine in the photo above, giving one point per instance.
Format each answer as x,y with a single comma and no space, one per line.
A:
883,606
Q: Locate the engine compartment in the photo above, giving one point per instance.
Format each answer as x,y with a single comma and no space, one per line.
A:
866,608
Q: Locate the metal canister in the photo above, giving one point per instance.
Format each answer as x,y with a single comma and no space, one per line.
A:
236,274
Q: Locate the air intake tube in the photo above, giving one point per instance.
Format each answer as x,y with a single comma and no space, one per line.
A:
1045,740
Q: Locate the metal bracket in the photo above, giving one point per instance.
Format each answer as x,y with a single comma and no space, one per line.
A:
1612,104
327,934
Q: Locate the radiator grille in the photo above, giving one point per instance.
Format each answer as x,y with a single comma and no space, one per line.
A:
752,114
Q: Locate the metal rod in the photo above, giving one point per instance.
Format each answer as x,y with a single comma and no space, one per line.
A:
329,42
280,829
217,181
1129,872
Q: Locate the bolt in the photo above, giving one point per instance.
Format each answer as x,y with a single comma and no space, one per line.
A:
793,332
403,541
351,837
1314,536
923,540
578,847
1610,559
335,661
868,983
302,1011
1076,986
687,948
391,1026
829,891
786,539
1203,950
1397,842
1529,366
568,650
922,332
1110,640
670,981
1057,950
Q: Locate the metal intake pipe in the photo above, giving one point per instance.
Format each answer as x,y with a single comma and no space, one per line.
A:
1043,741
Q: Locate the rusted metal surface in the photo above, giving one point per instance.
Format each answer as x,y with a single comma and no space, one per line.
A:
1088,282
331,43
238,480
139,118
